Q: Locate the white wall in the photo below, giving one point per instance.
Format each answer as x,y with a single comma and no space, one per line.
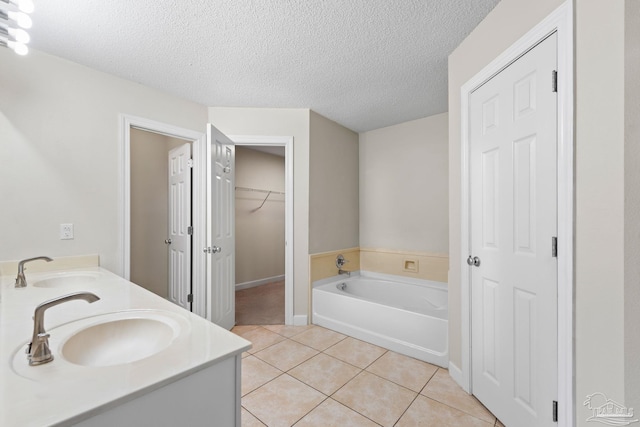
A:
260,238
599,183
632,205
403,186
333,186
281,122
150,209
59,133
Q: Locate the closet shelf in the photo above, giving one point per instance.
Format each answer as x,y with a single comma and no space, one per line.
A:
257,190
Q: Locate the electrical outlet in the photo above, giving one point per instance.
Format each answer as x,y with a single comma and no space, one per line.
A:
66,231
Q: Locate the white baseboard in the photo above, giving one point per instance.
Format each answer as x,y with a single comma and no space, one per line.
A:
259,282
300,320
456,374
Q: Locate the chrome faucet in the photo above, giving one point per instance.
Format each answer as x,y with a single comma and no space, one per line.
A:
38,351
21,281
340,262
341,271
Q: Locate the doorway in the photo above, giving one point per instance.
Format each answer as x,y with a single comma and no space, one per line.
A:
260,235
274,199
197,141
152,208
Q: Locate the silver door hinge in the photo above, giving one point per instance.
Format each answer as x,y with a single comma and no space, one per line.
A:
190,298
554,247
190,163
555,411
554,81
190,230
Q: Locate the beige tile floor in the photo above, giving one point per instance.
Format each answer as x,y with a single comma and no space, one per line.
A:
312,376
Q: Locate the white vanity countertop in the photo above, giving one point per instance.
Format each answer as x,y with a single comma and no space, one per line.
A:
62,393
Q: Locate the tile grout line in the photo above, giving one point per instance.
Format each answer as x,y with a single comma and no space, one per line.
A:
446,404
460,410
354,410
293,367
312,409
406,409
254,416
258,388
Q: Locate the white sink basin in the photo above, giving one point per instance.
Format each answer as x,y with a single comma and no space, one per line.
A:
67,279
135,338
117,342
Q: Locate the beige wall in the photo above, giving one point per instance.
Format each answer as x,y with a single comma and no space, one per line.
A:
281,122
149,209
333,186
59,129
259,230
599,224
510,20
403,186
632,204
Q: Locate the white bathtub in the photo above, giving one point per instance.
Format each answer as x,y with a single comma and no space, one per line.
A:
405,315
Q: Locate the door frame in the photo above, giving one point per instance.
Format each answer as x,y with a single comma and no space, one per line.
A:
287,143
198,201
560,21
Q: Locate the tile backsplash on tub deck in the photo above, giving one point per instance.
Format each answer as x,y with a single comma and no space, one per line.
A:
420,265
323,265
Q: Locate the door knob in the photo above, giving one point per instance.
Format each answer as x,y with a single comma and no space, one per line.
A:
167,241
475,261
212,250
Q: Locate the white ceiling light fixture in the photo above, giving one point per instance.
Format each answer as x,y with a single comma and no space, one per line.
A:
19,48
14,23
17,34
19,19
25,6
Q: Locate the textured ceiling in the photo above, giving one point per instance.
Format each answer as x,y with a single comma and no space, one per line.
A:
365,64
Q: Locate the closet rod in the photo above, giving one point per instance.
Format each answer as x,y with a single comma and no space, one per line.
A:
258,190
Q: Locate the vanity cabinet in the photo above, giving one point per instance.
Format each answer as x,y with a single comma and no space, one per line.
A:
210,397
192,379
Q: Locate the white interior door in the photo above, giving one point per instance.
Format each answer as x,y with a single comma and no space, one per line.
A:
221,228
179,241
513,140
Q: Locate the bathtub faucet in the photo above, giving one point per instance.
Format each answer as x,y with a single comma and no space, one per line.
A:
340,262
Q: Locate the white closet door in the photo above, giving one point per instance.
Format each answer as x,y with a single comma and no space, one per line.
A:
513,159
